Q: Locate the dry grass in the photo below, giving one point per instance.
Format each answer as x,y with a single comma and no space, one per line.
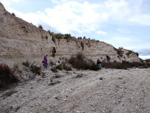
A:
7,76
80,62
123,65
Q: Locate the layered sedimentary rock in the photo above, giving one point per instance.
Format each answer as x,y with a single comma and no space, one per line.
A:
20,41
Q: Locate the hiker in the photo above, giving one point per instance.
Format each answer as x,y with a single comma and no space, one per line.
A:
45,61
99,63
53,51
108,58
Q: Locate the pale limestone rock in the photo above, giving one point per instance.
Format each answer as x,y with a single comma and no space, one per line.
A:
21,41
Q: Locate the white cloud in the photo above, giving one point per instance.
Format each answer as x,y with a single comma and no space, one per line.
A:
145,57
74,16
117,10
5,2
16,1
143,19
101,33
121,30
69,16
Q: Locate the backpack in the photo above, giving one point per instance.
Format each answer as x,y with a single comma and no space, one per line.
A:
43,61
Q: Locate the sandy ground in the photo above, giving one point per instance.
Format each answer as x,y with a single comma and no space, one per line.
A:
103,91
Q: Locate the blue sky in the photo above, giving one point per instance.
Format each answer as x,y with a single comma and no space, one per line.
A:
121,23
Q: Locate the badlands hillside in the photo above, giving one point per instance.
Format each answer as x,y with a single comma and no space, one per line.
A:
21,41
39,90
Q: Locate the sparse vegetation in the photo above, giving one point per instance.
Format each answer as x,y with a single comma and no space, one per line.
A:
40,26
123,65
59,67
67,36
67,68
13,14
46,37
82,45
35,69
54,70
129,52
79,37
32,67
26,63
59,35
119,51
80,62
7,76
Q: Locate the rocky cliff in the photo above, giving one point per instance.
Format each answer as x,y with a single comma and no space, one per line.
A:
20,41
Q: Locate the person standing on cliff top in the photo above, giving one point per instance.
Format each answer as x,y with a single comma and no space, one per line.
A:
53,51
45,61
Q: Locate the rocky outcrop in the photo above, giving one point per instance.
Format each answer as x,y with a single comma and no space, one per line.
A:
93,50
20,41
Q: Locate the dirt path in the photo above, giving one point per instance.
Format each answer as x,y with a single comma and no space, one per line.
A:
104,91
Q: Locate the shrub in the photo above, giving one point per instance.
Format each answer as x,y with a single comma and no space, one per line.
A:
40,26
35,69
13,14
53,39
84,37
53,35
79,37
58,36
46,37
79,62
26,63
128,53
54,70
59,67
67,68
7,76
123,65
119,51
67,36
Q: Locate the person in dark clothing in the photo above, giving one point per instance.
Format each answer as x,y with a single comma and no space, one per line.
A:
99,63
108,58
53,51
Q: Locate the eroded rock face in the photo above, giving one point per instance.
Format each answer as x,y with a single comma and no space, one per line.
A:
20,41
93,50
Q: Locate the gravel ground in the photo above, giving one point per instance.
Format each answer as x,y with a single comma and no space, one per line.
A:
103,91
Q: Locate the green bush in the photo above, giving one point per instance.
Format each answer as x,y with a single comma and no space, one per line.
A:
7,76
59,67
